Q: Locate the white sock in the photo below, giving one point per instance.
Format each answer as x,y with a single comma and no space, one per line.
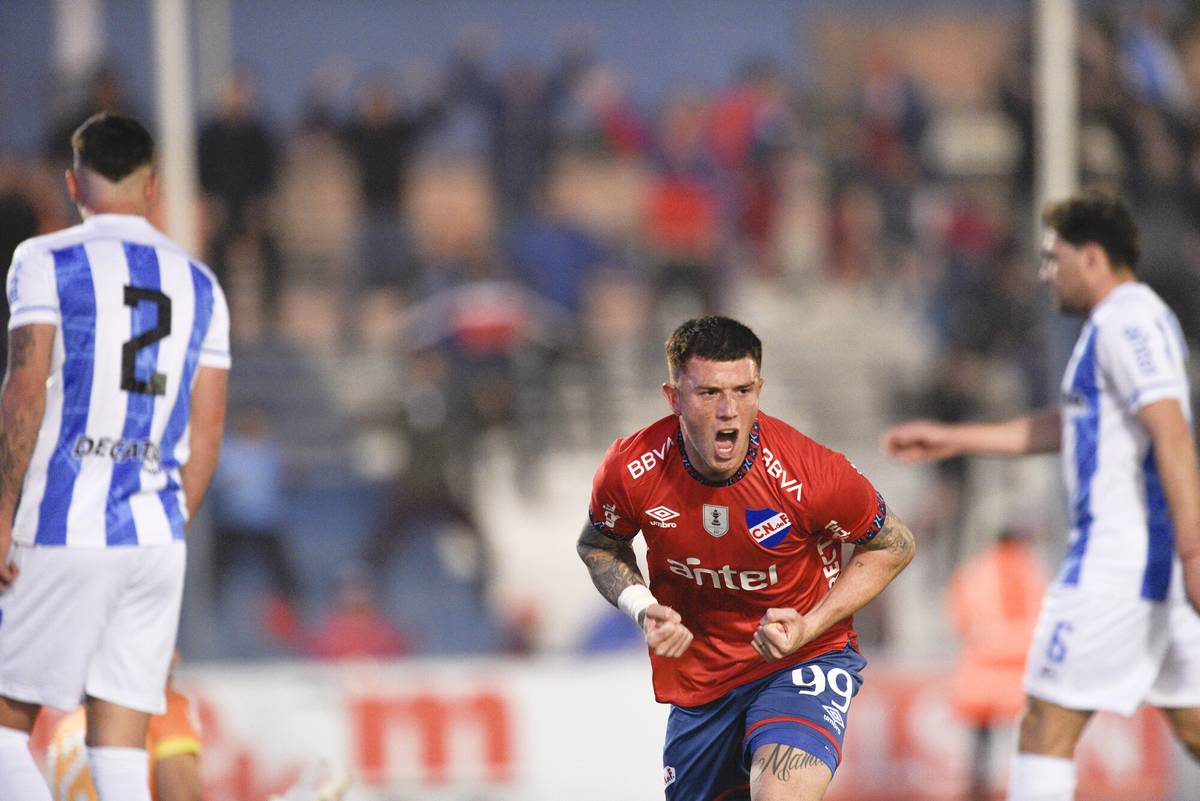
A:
120,774
20,779
1034,777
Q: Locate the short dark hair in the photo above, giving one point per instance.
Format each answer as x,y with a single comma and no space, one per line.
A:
112,145
719,339
1100,218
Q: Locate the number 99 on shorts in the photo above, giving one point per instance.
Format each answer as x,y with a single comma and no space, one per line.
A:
812,679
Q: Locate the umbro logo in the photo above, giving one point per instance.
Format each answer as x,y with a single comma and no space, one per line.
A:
662,513
834,717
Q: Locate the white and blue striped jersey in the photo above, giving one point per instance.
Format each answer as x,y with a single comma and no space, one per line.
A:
1130,353
136,317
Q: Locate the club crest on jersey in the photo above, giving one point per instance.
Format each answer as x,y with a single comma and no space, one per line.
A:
716,519
767,527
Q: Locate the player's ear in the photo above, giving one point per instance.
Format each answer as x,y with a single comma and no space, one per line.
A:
72,185
671,393
1094,257
150,189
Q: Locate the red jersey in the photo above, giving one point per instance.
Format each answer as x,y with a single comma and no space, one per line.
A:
722,553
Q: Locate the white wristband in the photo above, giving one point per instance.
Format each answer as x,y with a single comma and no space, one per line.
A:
633,601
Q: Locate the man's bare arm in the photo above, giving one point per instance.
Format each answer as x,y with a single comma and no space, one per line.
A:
22,404
872,567
611,564
207,425
613,568
1175,458
927,441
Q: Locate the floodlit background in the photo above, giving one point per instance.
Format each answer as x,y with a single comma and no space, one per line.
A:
454,236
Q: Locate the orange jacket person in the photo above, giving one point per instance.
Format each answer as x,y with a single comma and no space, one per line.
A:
172,743
994,601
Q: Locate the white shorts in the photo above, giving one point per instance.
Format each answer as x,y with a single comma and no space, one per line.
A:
100,621
1093,650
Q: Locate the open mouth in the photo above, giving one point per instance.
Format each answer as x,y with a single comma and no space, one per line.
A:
725,442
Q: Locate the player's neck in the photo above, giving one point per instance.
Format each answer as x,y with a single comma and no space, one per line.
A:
86,212
1116,279
94,194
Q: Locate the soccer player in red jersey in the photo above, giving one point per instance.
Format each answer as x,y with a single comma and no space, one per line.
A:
747,615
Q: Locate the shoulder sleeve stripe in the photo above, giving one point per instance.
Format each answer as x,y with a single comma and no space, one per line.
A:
608,532
876,522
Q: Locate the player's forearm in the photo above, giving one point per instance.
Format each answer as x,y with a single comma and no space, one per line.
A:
197,474
22,403
611,564
871,567
207,424
1178,470
1180,477
21,409
1037,432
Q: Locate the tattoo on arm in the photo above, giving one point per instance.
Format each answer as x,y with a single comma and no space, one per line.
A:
20,343
894,537
784,759
612,564
18,421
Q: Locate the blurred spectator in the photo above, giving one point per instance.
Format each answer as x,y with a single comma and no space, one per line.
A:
894,115
499,342
523,137
953,394
993,602
354,628
250,515
103,90
428,556
238,153
382,142
1105,102
683,222
752,125
1015,97
18,222
238,158
857,242
522,145
283,375
556,257
319,112
465,129
598,117
1150,62
1013,328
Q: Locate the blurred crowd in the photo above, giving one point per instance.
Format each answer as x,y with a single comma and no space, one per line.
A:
429,256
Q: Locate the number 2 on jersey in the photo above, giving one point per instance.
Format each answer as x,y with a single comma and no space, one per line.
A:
157,385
